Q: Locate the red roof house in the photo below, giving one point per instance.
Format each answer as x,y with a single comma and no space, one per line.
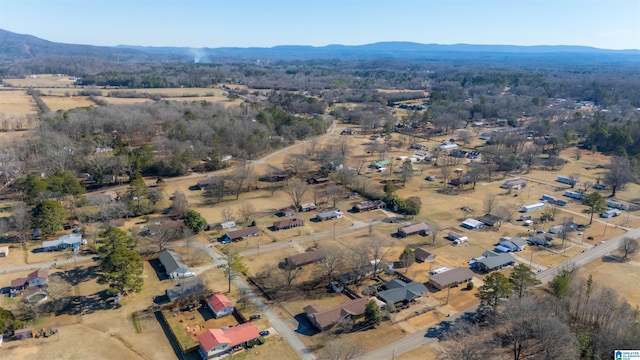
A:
36,278
216,342
220,305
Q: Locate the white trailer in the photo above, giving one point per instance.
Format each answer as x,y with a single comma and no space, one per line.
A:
532,207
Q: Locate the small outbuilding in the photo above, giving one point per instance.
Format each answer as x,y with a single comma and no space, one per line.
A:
24,333
491,220
472,224
423,255
4,251
286,212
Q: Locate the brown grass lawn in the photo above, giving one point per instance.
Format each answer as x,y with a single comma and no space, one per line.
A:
626,282
41,80
16,103
56,103
419,353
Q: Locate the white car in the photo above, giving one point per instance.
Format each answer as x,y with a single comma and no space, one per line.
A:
188,274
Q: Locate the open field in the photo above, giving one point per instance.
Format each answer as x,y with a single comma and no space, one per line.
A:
16,103
56,103
40,80
627,281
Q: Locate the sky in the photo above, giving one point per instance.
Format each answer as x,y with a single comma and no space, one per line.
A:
607,24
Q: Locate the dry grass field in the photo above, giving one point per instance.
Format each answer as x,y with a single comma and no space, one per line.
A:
56,103
40,81
16,103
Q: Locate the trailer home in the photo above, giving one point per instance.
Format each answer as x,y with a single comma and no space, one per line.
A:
574,195
567,180
532,207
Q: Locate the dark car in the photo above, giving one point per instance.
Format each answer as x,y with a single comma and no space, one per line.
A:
264,333
254,317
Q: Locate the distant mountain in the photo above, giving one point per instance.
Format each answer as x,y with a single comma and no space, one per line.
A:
17,46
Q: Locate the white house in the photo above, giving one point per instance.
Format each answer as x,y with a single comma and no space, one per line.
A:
220,305
472,224
173,263
63,242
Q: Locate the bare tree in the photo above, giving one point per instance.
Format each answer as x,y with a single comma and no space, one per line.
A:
163,232
586,186
339,349
334,193
464,341
179,204
507,211
490,202
246,211
296,189
378,248
21,221
466,136
435,230
628,246
289,275
556,339
333,262
619,174
357,262
237,179
227,214
296,164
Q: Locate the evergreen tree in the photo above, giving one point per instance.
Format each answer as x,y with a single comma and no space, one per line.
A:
496,287
372,313
194,221
595,202
49,216
522,279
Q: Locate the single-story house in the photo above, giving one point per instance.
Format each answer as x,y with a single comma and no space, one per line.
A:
4,251
514,184
66,241
238,235
325,319
308,257
369,205
209,182
446,146
217,342
418,228
490,220
185,287
286,212
511,244
24,333
37,278
288,224
307,207
539,240
423,255
398,291
493,261
472,224
329,215
451,278
219,305
173,263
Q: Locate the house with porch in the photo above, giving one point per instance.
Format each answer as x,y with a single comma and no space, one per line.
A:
288,224
310,256
369,205
491,260
37,278
329,215
63,242
418,228
214,343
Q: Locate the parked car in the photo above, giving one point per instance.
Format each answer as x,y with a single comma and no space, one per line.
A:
430,178
254,317
264,333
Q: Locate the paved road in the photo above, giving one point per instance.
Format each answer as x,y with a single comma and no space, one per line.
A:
278,324
418,338
48,264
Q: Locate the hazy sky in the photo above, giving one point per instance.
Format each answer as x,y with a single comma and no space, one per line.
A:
609,24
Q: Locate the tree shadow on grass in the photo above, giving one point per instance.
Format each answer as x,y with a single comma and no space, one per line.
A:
78,275
78,305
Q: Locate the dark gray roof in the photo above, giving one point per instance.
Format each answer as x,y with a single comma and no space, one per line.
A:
494,262
400,291
172,261
185,287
